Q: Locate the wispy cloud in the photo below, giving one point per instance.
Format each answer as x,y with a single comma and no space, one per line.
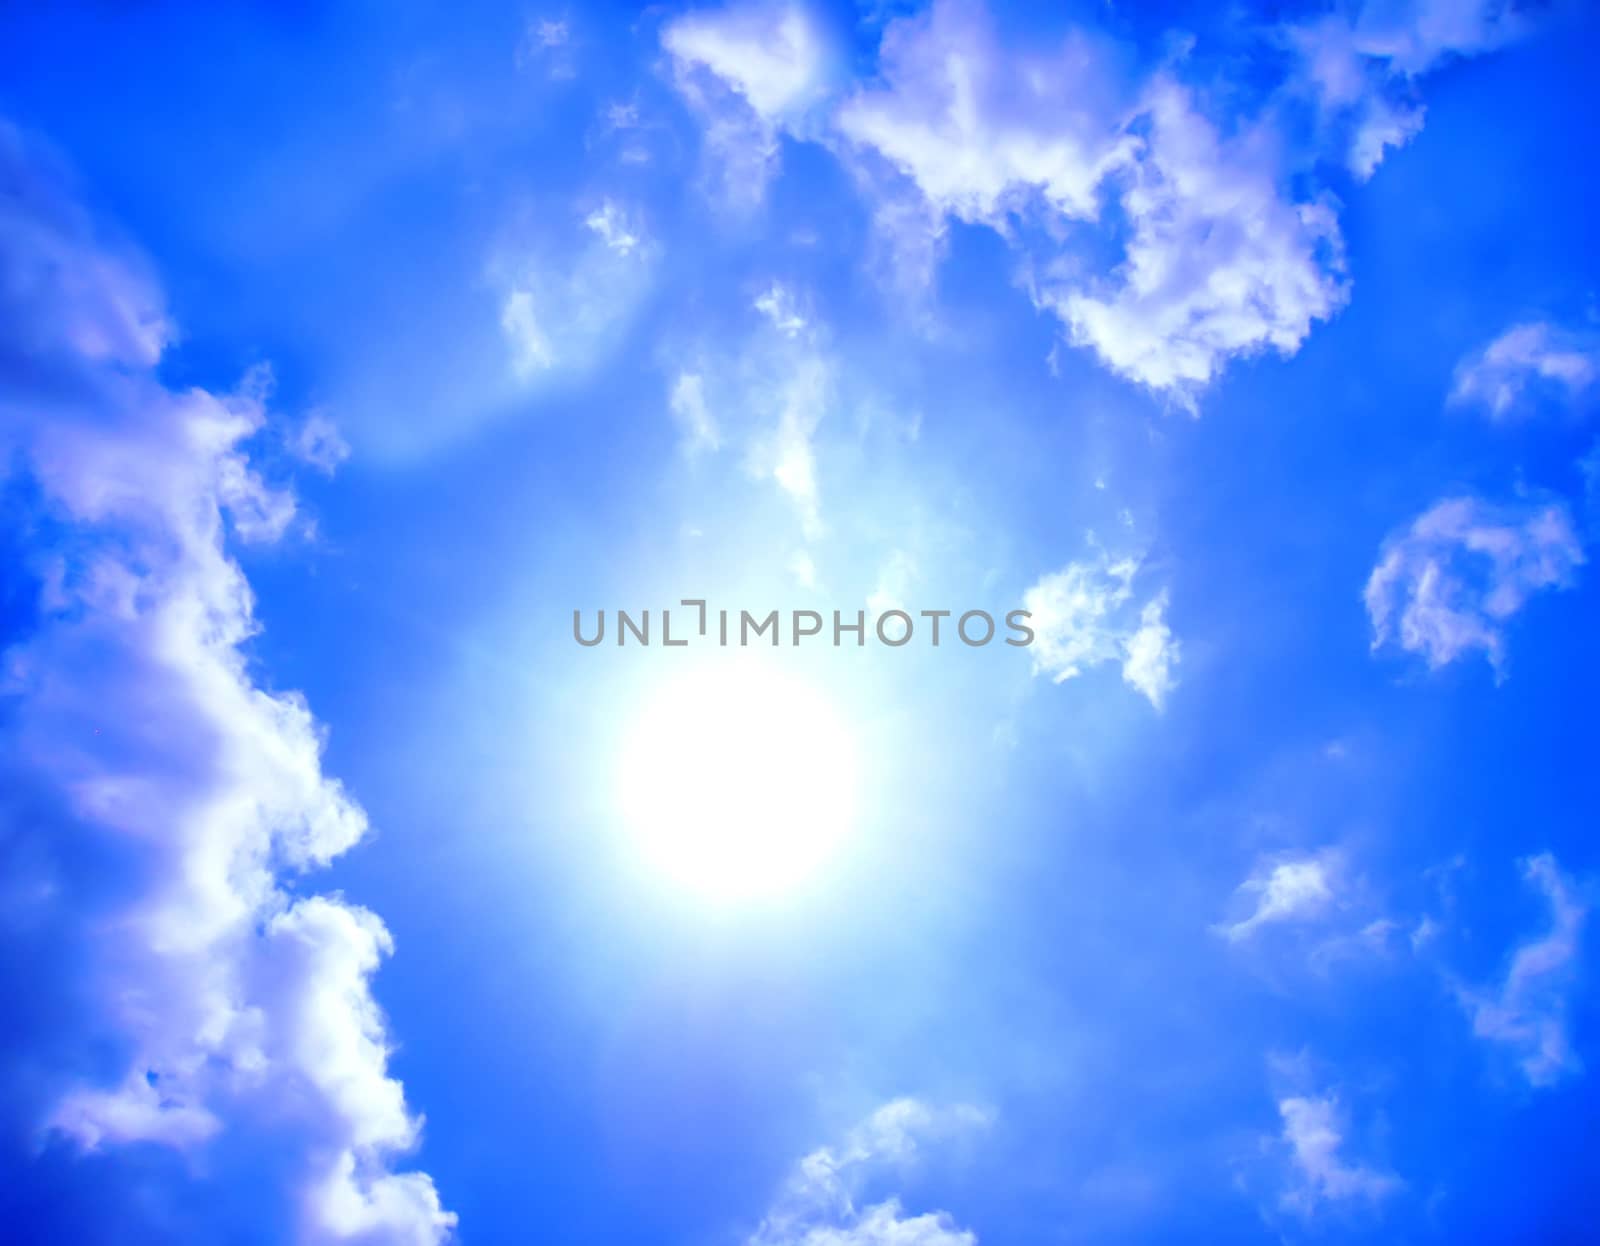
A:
785,451
817,1205
767,400
1527,1013
547,46
1361,64
1085,615
562,307
750,71
1449,583
318,443
1313,1136
687,403
610,223
780,306
771,55
1286,891
1526,362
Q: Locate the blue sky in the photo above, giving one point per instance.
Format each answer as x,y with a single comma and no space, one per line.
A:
348,350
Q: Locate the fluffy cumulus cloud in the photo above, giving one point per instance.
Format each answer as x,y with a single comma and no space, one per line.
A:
1220,244
1527,1012
1313,1138
1286,891
1086,614
983,134
1219,264
818,1204
159,800
1526,363
1216,262
1449,583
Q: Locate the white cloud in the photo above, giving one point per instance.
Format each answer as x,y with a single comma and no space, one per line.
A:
790,390
1527,1012
1083,615
785,452
772,55
817,1204
1449,583
549,33
1219,265
610,223
1424,933
531,352
694,418
1379,934
766,400
563,306
318,443
909,237
547,44
1313,1135
236,1005
1151,652
67,291
1526,361
1415,37
1383,126
780,306
1218,259
1286,891
1360,65
750,72
982,133
620,115
1362,105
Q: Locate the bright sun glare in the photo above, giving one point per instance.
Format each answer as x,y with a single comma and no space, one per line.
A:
738,779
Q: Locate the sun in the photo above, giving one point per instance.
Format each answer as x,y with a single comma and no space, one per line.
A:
737,779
